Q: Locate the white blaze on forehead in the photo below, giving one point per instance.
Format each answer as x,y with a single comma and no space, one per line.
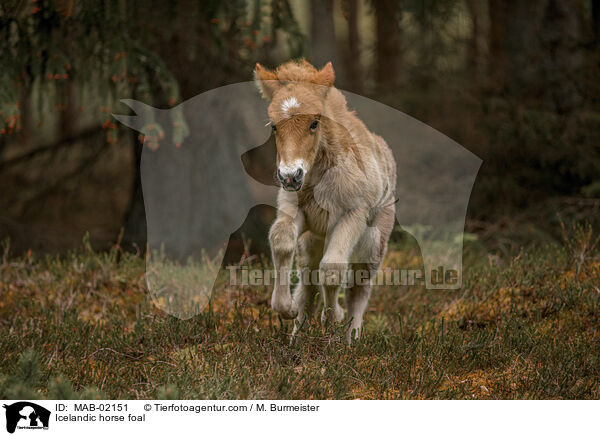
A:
288,104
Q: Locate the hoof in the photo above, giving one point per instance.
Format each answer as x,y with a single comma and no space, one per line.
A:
289,314
337,316
286,311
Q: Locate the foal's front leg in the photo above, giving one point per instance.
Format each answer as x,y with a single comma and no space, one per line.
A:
282,238
309,253
342,236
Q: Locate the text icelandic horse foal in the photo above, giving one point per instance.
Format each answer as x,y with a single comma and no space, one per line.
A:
336,202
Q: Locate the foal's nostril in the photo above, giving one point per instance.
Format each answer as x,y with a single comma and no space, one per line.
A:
298,174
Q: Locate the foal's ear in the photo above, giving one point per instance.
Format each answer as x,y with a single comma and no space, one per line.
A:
325,76
266,81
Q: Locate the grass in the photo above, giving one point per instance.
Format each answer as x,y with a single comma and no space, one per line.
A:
83,326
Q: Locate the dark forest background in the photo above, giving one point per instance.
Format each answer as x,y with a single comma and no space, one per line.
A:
515,82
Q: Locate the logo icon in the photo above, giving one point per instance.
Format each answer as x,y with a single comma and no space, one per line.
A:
26,415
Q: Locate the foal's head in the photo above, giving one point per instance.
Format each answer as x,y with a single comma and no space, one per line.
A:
296,91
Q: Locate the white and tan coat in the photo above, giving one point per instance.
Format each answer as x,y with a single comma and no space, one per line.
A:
336,204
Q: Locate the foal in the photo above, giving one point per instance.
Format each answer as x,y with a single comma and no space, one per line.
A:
336,202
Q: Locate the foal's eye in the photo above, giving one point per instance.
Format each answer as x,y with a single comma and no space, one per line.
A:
273,127
313,125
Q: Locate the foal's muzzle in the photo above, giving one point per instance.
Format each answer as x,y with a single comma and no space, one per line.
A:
291,180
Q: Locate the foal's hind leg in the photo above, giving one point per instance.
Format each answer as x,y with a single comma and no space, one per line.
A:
367,256
309,253
357,299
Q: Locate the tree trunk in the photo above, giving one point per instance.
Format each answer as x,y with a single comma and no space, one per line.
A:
563,60
134,231
596,21
534,55
498,11
475,61
67,116
322,33
388,45
353,71
25,102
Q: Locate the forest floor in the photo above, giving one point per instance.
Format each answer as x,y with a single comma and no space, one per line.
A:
84,326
